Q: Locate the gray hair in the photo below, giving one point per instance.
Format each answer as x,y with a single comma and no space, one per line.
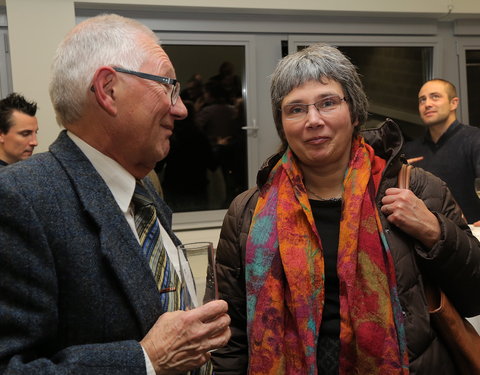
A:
317,63
104,40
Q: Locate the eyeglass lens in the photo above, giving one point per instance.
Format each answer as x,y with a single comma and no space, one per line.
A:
325,105
175,93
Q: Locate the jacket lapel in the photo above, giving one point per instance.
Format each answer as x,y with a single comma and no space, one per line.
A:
118,244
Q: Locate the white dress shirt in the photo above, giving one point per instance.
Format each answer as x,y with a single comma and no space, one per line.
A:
122,185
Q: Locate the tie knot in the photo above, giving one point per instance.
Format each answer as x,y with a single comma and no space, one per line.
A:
141,197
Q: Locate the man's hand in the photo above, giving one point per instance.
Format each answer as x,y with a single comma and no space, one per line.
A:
180,341
410,214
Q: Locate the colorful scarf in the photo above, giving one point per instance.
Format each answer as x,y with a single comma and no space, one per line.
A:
285,277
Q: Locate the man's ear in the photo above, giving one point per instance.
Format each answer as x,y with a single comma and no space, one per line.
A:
103,87
453,104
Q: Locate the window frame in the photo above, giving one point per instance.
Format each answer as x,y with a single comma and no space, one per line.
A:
5,65
463,45
214,218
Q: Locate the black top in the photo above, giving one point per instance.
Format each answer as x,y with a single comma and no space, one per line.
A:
455,158
327,216
327,220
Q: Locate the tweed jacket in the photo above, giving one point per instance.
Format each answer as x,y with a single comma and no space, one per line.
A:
76,294
454,262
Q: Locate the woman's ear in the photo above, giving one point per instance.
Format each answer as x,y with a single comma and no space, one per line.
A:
103,87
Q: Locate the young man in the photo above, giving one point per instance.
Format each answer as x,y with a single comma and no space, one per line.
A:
18,129
450,150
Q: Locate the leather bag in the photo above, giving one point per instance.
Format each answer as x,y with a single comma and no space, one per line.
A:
459,336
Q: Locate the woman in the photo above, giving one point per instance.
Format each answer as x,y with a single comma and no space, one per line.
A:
323,263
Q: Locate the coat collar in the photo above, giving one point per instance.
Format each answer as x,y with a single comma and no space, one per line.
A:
118,244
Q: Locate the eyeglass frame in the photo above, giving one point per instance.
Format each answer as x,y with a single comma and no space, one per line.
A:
175,94
281,109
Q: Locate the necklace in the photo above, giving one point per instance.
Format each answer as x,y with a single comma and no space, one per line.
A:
334,199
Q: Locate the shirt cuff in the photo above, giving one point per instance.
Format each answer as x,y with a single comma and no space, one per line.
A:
148,364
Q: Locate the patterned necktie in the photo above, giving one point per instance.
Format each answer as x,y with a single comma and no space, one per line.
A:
171,293
153,249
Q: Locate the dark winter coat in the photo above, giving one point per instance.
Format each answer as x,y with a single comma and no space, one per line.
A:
453,263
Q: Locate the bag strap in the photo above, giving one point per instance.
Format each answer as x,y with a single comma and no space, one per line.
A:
404,176
432,294
457,333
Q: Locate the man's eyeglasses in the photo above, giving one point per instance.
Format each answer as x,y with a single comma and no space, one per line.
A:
164,80
298,111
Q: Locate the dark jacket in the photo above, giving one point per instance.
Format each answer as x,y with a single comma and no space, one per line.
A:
454,262
76,293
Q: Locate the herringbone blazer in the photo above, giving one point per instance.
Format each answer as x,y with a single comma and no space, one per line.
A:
76,294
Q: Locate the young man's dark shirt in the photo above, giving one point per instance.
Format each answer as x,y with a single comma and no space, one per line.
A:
455,158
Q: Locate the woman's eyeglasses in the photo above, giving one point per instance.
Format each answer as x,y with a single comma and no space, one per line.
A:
298,111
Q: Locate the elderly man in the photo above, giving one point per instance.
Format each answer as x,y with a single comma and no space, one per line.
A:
88,273
18,129
449,149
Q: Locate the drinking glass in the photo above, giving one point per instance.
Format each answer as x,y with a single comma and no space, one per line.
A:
197,272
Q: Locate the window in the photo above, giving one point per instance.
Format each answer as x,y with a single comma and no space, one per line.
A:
473,87
207,164
468,90
5,75
392,77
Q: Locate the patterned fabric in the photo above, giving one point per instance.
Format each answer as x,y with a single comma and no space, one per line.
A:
148,230
172,295
285,277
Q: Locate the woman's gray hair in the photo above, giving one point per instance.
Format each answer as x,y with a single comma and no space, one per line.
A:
104,40
318,62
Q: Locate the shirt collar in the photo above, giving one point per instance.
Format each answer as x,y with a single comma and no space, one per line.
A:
120,182
450,130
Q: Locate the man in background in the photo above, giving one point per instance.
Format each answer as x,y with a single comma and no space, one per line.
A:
89,277
18,129
449,149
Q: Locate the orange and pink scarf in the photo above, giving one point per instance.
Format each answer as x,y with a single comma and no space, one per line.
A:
285,277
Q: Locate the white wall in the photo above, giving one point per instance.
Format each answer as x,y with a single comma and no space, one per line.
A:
35,28
431,7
